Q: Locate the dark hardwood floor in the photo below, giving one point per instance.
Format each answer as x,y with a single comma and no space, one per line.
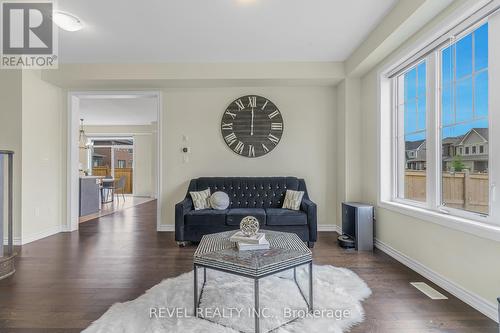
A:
66,281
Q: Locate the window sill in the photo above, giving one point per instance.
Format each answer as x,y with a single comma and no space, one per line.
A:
479,229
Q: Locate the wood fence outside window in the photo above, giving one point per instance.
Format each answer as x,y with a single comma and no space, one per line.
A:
463,190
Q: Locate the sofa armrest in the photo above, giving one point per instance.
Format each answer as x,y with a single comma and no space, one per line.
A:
181,209
310,209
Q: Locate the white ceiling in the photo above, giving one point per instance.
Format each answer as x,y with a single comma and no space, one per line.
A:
131,31
124,110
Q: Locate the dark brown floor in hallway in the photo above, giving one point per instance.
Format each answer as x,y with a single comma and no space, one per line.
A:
66,281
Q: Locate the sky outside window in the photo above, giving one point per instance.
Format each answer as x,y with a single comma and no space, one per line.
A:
464,84
415,103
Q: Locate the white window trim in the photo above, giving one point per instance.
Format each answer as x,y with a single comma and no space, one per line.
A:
480,229
473,223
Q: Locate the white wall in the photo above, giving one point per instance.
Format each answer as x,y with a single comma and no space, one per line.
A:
10,133
340,128
83,159
307,148
117,129
143,160
350,161
154,159
43,165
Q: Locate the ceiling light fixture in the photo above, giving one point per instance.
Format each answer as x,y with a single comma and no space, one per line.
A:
83,141
67,21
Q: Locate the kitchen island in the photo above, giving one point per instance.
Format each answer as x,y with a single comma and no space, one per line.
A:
90,199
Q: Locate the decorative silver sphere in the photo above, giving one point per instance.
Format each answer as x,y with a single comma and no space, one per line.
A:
249,226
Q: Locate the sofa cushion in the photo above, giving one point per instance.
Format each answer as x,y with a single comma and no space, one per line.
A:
235,215
280,216
206,217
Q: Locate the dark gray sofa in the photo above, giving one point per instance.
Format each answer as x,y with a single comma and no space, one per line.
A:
261,197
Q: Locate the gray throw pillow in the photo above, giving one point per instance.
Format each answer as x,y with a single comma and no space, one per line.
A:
201,199
219,200
293,199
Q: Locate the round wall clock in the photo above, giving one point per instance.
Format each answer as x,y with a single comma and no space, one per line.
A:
252,126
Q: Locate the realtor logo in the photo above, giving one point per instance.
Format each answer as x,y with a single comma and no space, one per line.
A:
27,35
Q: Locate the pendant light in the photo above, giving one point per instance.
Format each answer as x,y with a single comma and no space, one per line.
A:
82,139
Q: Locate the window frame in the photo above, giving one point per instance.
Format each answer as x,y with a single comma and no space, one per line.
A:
432,210
400,151
467,150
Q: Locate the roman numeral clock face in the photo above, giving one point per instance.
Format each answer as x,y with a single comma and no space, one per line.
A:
252,126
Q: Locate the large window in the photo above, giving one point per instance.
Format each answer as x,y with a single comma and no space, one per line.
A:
439,121
464,122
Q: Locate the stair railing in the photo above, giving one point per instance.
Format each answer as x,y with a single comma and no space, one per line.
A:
6,183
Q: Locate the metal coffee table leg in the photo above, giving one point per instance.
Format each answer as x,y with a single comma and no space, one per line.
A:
310,286
197,294
309,300
195,271
256,309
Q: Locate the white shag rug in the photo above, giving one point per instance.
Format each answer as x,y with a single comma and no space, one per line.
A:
227,303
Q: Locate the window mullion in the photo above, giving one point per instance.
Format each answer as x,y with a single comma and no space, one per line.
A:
400,141
394,139
494,115
433,136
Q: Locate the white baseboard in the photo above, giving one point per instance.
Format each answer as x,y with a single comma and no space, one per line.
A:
35,236
40,234
165,227
477,302
328,227
66,228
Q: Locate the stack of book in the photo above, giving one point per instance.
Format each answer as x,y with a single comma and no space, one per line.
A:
246,243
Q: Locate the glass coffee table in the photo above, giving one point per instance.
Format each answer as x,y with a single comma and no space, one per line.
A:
286,252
